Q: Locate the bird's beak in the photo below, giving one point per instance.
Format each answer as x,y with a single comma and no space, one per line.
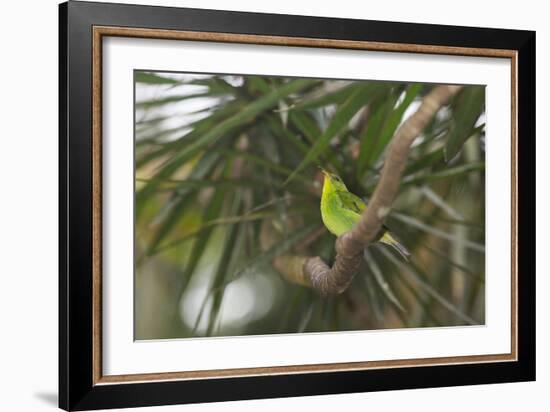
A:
323,171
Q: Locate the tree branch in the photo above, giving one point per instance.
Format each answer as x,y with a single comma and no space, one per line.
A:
349,246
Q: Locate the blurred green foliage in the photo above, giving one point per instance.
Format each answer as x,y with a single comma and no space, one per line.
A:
227,180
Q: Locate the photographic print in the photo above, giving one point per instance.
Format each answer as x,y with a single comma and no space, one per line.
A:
243,183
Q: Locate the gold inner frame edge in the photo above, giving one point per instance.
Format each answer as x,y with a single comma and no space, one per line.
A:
102,31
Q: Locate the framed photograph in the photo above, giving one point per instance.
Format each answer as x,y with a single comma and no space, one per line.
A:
257,205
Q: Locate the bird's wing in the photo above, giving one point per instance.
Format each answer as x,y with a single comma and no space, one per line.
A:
356,204
351,201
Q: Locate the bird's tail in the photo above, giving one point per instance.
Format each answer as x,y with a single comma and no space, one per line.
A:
388,239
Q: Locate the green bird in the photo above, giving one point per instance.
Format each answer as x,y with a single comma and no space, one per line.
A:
341,210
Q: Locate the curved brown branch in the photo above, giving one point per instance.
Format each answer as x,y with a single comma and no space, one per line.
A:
349,247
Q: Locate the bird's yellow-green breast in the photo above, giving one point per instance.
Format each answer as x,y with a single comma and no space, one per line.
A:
341,210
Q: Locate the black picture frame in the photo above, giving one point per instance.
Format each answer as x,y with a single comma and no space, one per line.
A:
77,390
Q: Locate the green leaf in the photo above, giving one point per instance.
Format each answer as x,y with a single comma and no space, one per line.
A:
278,249
422,217
228,252
381,281
155,135
153,78
279,130
360,96
170,185
282,170
175,210
445,174
372,298
180,202
306,125
369,139
306,319
320,97
144,123
198,127
394,120
446,259
421,299
199,246
441,203
229,220
216,85
257,84
424,162
385,123
233,245
413,272
218,130
147,104
469,105
292,307
411,221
